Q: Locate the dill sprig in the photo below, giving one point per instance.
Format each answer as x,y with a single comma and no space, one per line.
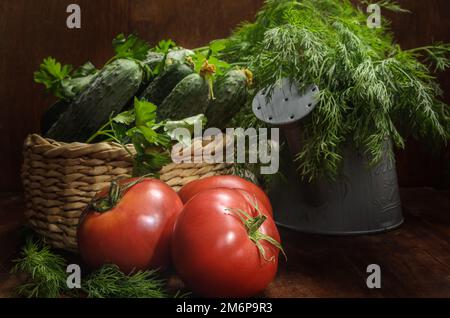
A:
45,270
110,282
47,277
372,91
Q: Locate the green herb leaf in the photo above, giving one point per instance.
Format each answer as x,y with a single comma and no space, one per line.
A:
47,276
218,45
51,74
130,47
110,282
59,81
437,55
145,134
164,46
368,85
126,117
148,159
45,270
388,5
84,70
188,123
145,112
150,134
71,87
150,163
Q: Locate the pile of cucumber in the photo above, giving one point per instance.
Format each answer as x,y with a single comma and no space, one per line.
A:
167,79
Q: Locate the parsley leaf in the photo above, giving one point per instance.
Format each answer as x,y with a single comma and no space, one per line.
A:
51,74
188,123
86,69
217,46
130,47
126,118
59,79
145,112
164,46
152,140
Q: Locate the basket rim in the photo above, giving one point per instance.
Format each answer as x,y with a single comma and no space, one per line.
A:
52,148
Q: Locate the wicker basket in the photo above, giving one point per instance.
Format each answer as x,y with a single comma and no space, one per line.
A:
60,179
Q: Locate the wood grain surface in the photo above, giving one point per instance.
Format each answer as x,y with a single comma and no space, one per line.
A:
414,259
32,30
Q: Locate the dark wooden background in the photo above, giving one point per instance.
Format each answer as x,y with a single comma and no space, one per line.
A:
31,30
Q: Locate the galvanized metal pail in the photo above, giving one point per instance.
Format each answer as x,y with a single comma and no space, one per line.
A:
361,200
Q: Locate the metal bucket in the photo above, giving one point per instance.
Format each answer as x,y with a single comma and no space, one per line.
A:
362,200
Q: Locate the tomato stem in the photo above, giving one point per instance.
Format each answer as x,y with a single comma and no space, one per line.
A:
115,194
253,225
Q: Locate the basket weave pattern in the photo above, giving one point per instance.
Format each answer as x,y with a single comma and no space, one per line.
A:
60,179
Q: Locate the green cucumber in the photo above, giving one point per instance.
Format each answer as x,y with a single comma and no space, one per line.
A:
153,59
70,88
230,91
164,83
73,86
52,114
189,98
178,55
110,91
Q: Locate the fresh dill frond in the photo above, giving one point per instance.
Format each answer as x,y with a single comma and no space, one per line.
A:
372,92
110,282
47,278
45,270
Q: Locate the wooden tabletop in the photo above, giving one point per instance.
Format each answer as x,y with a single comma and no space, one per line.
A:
414,259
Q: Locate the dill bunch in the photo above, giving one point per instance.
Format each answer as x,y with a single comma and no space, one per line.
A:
47,278
45,270
110,282
372,91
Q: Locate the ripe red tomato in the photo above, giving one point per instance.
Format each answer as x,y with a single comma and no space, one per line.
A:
232,182
215,244
135,233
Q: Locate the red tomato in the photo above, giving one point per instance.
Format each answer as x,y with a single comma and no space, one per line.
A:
134,234
212,247
232,182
